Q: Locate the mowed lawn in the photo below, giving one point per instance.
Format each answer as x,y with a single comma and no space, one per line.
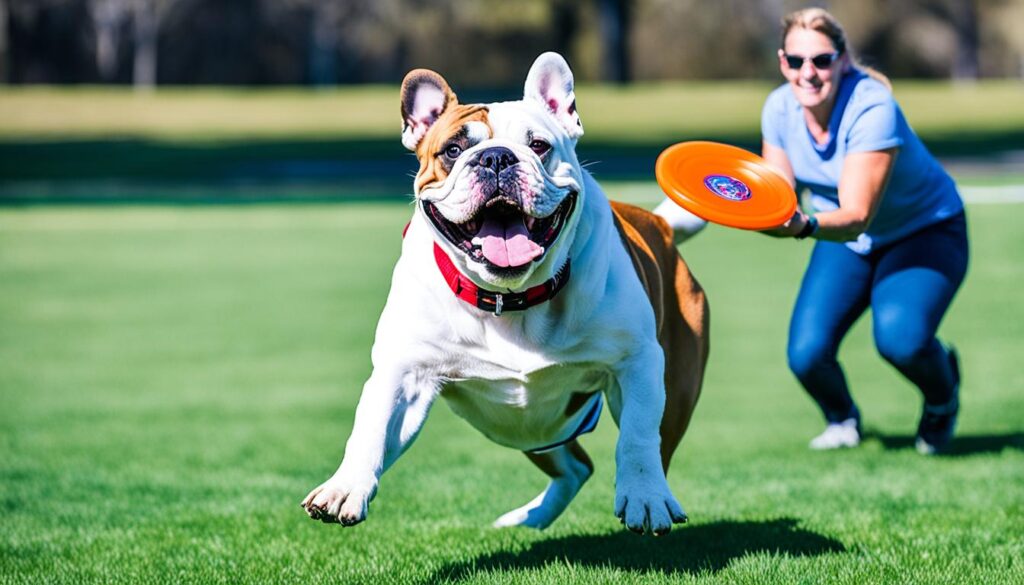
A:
174,380
661,113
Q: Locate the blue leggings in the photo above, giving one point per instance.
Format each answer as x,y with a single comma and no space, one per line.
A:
908,285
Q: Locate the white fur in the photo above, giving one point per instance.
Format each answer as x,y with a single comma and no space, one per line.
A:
546,186
511,376
550,83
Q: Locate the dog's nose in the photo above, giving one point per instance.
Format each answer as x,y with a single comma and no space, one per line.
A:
497,158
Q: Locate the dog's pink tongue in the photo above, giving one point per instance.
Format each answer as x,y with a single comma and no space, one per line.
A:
508,244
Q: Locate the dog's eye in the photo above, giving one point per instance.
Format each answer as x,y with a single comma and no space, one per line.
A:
539,147
452,151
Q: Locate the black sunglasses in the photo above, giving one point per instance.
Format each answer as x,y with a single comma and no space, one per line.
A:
822,61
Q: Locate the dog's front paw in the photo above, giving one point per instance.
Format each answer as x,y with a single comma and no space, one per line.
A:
338,501
644,507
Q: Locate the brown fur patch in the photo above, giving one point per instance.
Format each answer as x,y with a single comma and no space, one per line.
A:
680,310
434,167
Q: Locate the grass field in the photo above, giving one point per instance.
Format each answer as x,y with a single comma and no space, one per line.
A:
174,380
639,112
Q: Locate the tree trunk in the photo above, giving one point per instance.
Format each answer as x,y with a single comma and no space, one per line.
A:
107,16
965,23
614,17
565,23
146,36
4,68
323,44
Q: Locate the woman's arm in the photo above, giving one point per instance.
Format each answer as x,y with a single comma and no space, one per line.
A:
861,185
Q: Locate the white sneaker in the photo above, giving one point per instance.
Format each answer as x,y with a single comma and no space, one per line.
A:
837,436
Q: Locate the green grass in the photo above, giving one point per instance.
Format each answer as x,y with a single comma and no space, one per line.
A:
638,113
174,380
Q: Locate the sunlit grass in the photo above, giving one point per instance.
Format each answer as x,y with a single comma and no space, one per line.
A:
635,113
173,381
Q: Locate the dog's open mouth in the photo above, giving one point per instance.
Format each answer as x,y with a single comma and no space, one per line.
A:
501,235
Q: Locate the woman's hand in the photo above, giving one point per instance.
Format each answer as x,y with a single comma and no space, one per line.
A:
791,228
861,185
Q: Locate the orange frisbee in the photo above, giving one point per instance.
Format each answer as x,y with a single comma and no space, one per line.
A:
725,185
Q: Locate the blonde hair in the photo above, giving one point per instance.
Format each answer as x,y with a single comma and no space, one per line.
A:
821,21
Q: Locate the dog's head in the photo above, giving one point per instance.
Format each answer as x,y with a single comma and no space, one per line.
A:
499,183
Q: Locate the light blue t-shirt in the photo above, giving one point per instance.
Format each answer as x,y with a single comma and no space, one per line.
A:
865,118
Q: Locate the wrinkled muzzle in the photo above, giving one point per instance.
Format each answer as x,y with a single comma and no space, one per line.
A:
506,221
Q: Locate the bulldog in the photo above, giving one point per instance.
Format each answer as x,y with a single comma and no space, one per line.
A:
525,299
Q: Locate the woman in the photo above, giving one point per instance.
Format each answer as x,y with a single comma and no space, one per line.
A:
889,223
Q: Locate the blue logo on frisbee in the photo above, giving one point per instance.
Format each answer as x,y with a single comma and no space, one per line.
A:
727,187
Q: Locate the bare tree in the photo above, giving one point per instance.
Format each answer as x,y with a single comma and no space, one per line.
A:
146,27
614,17
327,19
147,16
108,17
326,42
964,18
323,41
4,67
565,24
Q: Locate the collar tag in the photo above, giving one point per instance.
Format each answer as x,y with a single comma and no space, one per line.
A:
498,303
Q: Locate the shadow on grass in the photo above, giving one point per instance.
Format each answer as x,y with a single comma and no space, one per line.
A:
134,170
962,445
706,547
348,156
196,171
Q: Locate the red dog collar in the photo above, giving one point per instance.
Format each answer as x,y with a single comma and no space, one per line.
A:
490,301
495,302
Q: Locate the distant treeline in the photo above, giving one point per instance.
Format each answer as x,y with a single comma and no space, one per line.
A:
479,42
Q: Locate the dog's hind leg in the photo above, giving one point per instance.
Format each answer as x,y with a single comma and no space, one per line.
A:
681,311
685,340
569,467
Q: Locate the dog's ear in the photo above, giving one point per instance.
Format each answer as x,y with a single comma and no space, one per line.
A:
425,96
550,82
